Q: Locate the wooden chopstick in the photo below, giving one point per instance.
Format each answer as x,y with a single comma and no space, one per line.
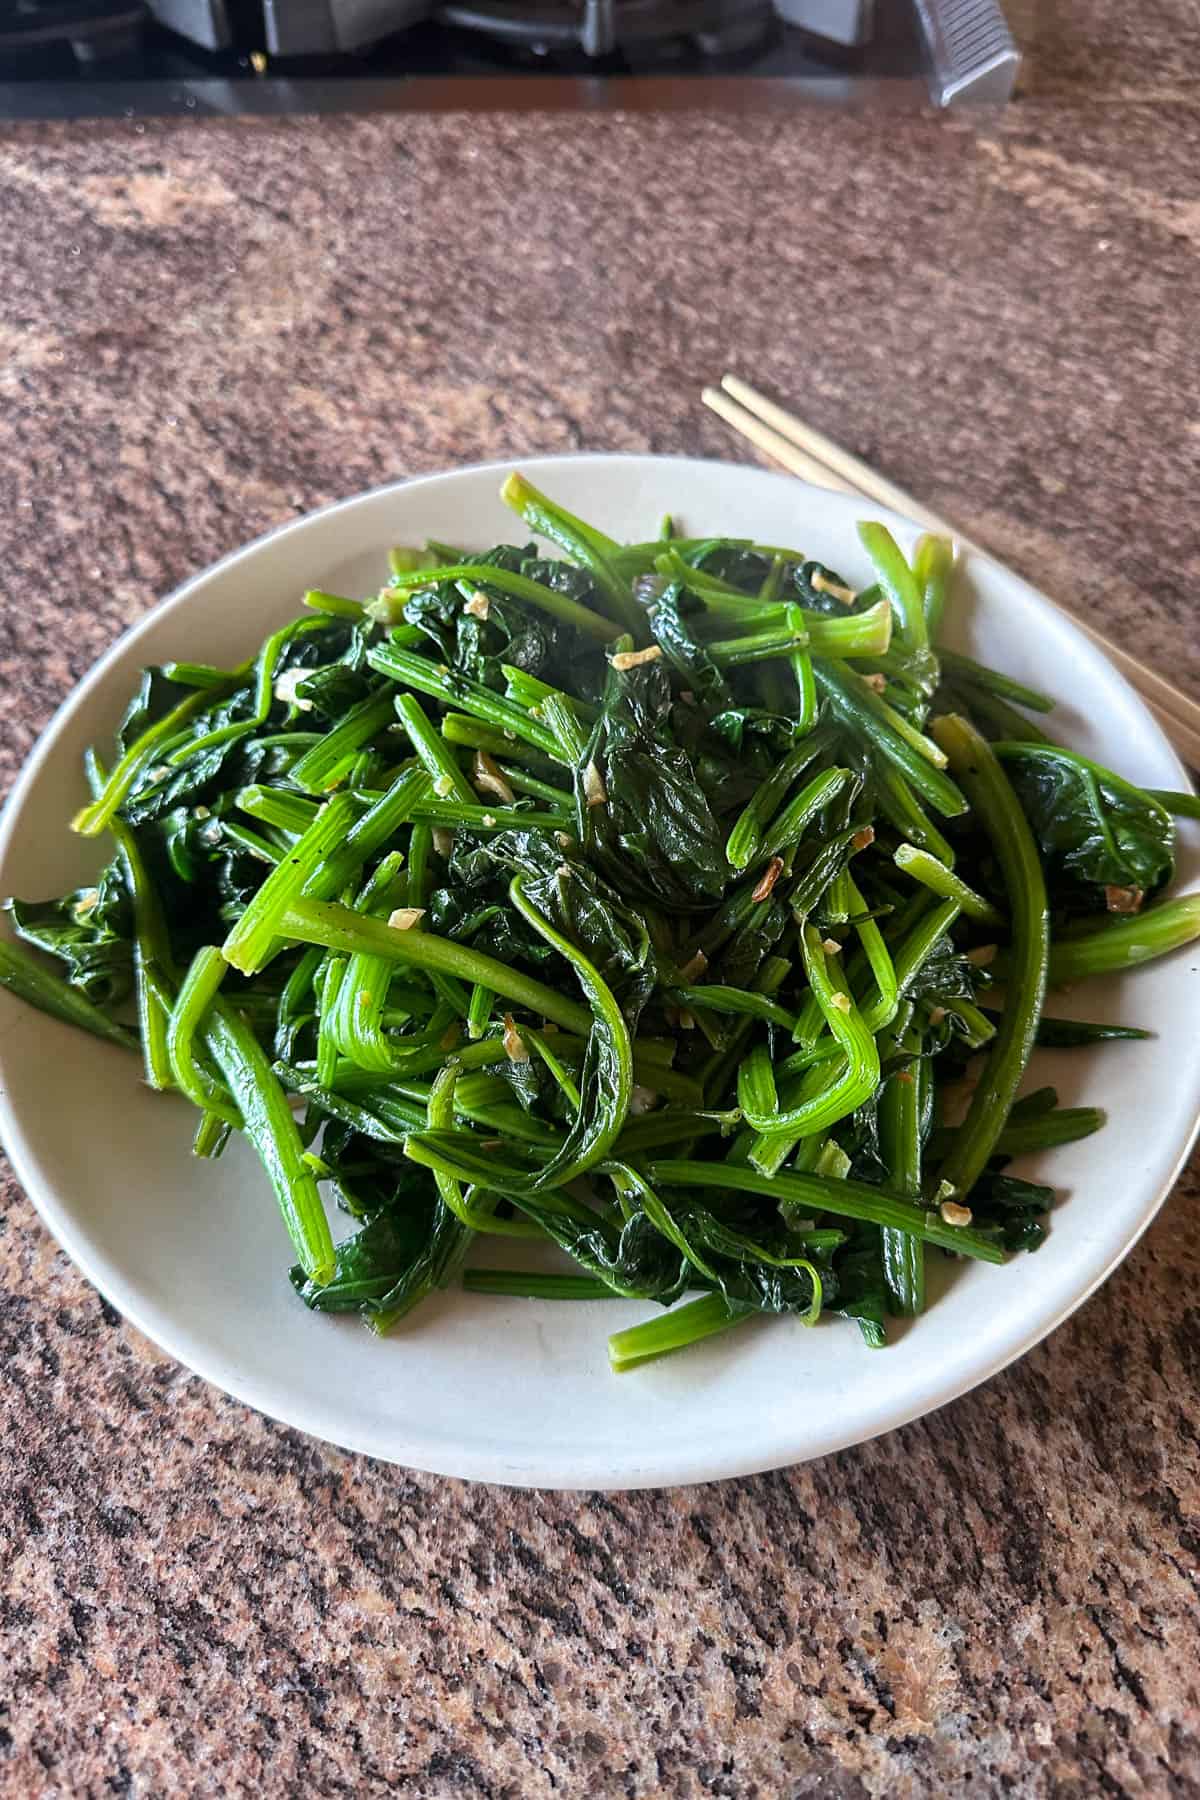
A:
816,458
773,443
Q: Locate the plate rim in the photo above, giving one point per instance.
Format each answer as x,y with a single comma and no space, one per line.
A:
154,1322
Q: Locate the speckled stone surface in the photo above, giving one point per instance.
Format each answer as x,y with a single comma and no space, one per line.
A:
204,330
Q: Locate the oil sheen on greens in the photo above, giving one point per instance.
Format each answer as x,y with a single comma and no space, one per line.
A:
581,919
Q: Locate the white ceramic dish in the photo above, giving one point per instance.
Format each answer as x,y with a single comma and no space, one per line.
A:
520,1391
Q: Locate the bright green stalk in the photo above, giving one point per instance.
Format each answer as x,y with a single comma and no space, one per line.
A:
590,548
848,1089
904,813
557,1067
674,1330
187,1022
452,814
152,960
1184,806
900,1148
917,758
845,1198
474,734
265,665
933,565
440,1117
339,928
999,812
746,838
882,1008
1120,944
326,763
431,750
506,581
336,606
535,1284
756,647
408,669
480,1010
328,989
992,682
268,1123
934,875
897,581
250,942
789,826
736,1002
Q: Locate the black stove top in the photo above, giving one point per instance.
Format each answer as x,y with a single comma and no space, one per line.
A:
97,58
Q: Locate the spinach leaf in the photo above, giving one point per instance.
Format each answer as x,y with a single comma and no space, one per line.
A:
1094,830
821,590
90,931
653,834
862,1292
584,908
1015,1209
765,1270
479,641
389,1266
689,658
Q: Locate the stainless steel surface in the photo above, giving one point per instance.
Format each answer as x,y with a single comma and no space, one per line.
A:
327,56
598,27
325,27
205,22
972,54
842,21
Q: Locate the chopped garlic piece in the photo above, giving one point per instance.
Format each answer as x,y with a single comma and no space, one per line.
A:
405,917
285,689
841,1001
1123,899
862,840
773,872
488,779
633,659
693,968
954,1214
479,605
846,595
443,787
515,1047
594,790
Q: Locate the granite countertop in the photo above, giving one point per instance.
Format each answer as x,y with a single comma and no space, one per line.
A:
206,330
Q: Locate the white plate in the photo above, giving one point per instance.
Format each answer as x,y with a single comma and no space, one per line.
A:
193,1253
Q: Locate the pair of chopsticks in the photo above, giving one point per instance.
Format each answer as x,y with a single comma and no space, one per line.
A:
807,453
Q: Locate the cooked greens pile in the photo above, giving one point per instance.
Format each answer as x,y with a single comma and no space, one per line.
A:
647,902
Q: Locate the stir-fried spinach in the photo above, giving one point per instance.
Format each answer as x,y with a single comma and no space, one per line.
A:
635,904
